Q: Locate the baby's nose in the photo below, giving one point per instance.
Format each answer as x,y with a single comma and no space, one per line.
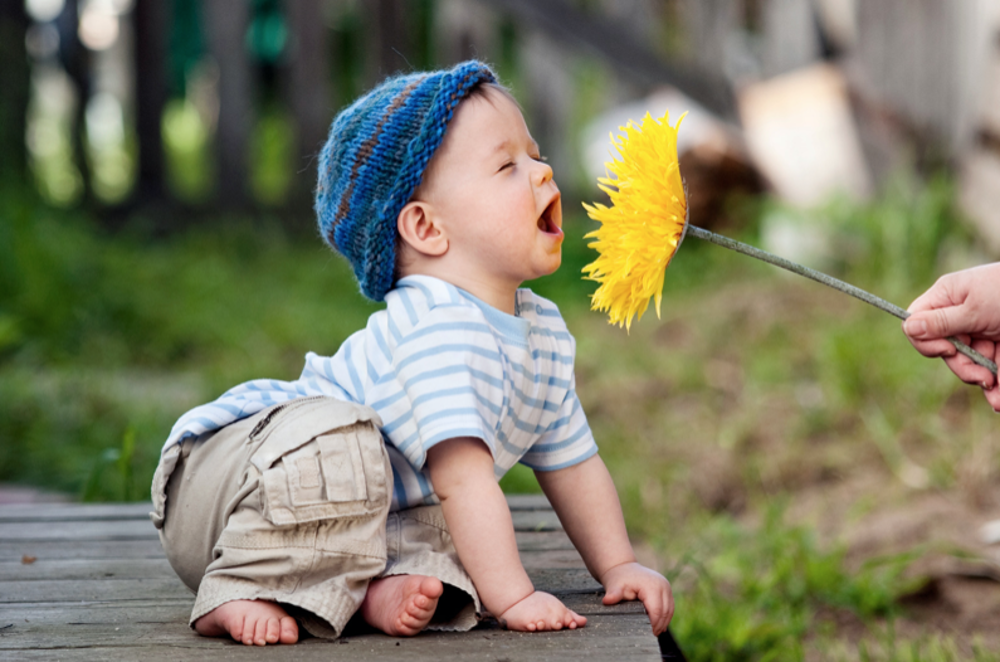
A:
542,173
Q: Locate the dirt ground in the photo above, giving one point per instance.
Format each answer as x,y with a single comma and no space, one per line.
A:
961,595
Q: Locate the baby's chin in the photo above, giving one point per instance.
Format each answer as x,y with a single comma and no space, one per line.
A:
557,262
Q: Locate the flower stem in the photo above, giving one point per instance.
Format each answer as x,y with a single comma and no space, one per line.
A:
830,281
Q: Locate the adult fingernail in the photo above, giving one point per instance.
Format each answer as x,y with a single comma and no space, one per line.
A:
915,328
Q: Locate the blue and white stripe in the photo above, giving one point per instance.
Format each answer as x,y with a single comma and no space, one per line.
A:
437,364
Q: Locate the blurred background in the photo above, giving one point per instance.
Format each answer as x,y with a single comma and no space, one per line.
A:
813,487
198,105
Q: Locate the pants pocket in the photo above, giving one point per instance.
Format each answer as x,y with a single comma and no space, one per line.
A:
321,460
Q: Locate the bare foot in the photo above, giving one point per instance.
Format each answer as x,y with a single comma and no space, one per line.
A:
401,605
253,622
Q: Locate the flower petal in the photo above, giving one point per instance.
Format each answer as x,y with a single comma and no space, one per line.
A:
640,232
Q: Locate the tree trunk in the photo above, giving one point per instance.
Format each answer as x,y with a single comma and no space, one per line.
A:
307,89
76,60
227,23
151,19
14,81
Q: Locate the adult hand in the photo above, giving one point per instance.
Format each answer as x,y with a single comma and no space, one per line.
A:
965,305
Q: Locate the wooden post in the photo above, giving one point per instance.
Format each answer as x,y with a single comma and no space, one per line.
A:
391,37
546,74
14,79
227,22
790,36
924,59
307,89
76,60
466,30
152,24
710,26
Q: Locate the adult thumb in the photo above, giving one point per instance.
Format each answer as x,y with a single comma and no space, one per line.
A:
933,324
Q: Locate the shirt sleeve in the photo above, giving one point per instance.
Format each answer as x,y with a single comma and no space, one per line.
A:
447,382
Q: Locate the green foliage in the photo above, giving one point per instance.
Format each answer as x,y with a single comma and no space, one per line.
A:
272,159
520,480
755,388
100,335
115,464
897,240
756,590
187,151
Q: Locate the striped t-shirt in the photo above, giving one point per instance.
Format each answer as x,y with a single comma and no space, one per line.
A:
436,364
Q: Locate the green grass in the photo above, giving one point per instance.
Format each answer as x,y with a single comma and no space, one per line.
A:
729,425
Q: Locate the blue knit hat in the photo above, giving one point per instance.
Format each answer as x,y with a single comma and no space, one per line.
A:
375,158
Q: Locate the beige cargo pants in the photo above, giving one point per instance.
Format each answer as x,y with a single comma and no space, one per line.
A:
292,505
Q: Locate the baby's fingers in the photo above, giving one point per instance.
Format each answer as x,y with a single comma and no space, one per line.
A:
659,604
616,594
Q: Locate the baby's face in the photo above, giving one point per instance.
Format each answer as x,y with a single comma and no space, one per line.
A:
494,195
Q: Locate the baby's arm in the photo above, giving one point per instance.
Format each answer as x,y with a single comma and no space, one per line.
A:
483,532
585,499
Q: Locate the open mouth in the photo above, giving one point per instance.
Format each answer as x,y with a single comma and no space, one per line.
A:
551,219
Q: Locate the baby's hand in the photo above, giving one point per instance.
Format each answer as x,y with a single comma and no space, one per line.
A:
629,581
540,611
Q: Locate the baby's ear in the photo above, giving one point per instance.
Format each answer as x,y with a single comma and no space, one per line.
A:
419,231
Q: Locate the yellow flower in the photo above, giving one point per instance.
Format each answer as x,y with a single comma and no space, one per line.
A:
640,232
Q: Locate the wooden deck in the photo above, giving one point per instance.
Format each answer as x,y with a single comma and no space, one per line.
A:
90,582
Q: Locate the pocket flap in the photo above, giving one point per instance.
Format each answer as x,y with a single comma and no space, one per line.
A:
343,469
294,424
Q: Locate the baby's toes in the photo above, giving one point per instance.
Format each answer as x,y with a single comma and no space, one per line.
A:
260,631
289,630
412,617
273,631
234,627
421,607
248,631
420,603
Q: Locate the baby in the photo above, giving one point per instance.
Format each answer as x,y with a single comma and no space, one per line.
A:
369,487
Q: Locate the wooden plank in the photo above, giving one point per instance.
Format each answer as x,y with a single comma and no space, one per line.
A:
40,615
564,581
555,558
101,588
535,520
110,588
528,502
72,531
554,580
542,540
176,610
96,569
606,637
75,511
83,549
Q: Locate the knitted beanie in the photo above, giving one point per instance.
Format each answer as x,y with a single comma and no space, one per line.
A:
375,158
